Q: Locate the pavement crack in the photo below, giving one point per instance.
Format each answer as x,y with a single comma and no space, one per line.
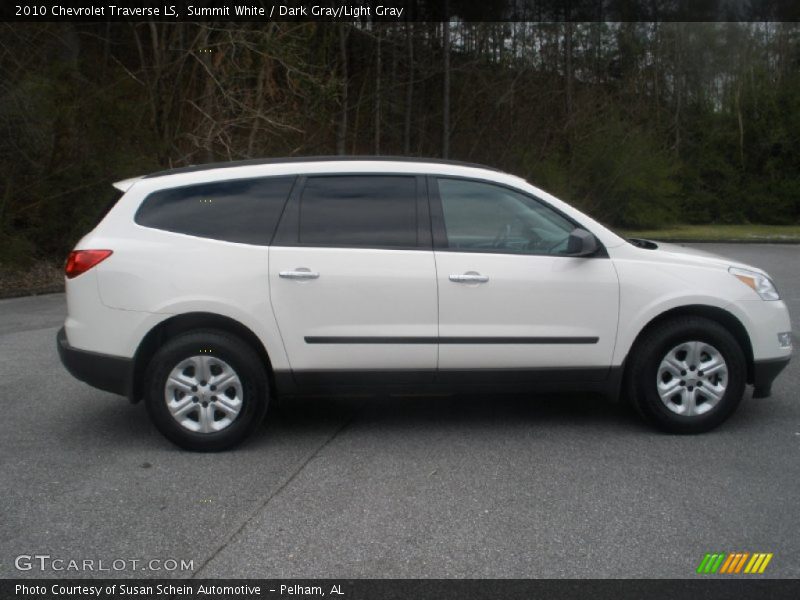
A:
227,539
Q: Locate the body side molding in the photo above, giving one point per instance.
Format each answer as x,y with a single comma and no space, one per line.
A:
314,339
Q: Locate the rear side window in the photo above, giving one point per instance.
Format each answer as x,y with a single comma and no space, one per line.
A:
359,211
241,210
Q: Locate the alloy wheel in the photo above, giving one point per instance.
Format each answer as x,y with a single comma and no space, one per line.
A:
692,378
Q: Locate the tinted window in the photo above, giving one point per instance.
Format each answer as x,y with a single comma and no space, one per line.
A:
490,218
243,210
366,211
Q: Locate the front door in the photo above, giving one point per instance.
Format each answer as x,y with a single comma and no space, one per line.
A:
511,303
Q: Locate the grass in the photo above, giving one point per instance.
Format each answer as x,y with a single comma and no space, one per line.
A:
721,233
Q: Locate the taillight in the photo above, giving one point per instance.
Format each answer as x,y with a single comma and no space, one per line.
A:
80,261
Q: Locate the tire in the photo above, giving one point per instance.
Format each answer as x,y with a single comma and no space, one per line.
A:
206,418
664,389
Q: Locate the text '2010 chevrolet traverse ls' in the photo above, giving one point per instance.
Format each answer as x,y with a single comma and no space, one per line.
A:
208,290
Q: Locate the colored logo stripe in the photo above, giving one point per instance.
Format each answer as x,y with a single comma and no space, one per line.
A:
728,562
758,563
734,562
710,563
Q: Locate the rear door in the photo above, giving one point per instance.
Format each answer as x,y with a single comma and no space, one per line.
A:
353,280
512,304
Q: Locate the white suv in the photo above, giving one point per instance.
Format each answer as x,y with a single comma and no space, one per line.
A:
208,290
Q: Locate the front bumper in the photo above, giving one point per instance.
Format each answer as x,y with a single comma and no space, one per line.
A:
764,373
108,373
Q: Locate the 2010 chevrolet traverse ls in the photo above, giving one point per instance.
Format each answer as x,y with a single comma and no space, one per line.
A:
207,290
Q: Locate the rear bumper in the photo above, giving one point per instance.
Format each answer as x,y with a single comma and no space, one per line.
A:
108,373
764,373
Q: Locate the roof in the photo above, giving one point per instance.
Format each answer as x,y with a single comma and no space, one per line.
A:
306,159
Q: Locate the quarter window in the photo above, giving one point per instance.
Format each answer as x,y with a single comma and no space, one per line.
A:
359,211
482,217
240,210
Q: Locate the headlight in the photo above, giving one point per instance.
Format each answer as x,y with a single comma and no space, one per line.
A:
761,284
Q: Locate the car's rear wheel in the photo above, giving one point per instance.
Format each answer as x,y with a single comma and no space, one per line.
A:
206,390
686,375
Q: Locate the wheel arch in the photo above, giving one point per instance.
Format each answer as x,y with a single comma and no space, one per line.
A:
182,323
713,313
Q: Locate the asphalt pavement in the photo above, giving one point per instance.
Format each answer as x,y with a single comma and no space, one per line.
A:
391,487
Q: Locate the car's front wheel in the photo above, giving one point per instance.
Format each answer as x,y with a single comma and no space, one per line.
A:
687,375
206,390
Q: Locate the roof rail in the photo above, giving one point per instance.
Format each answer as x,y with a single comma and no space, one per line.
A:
303,159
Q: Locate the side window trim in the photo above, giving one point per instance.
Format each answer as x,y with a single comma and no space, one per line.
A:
437,214
424,237
288,230
439,229
296,183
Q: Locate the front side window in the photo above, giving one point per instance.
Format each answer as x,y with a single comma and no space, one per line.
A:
483,217
240,210
378,211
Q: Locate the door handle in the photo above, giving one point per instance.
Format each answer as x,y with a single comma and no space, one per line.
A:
469,277
299,273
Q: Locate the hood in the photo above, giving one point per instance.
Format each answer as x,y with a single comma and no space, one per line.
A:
686,250
692,256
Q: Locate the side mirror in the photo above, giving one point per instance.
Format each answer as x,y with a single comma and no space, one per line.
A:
581,243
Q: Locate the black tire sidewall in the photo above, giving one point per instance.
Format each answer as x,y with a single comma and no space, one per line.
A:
239,356
652,351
